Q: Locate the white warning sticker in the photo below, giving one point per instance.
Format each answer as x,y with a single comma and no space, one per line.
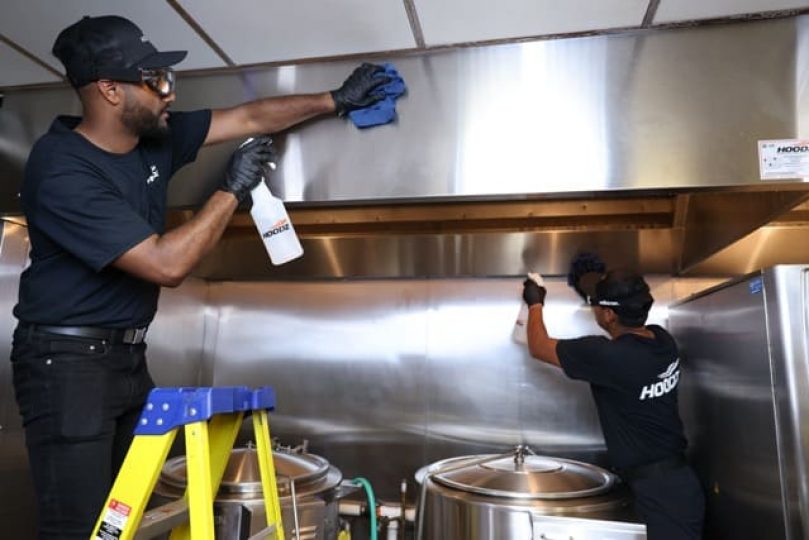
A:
783,158
113,521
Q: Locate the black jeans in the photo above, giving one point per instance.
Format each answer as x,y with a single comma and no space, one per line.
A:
671,504
80,399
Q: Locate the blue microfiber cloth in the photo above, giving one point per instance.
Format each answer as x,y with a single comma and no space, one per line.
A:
384,110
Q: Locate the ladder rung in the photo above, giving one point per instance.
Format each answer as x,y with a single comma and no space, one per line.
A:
267,532
162,519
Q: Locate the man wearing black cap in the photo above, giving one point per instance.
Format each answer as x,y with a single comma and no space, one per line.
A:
94,196
633,376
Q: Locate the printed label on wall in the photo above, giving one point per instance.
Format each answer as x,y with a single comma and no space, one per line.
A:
783,158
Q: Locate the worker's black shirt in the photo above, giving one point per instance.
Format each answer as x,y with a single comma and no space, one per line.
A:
634,383
85,207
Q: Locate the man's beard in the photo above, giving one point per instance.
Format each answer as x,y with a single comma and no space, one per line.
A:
142,122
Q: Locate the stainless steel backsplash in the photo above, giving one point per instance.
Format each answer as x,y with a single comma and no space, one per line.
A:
381,376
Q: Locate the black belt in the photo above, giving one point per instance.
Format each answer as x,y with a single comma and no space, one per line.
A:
652,469
130,336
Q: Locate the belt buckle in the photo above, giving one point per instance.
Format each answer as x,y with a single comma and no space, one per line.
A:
134,336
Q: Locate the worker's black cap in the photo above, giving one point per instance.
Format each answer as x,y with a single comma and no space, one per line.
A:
624,291
108,47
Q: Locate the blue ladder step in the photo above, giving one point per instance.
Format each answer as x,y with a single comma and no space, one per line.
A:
169,408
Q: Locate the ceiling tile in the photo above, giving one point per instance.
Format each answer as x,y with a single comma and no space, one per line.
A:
257,31
34,25
458,21
681,10
17,70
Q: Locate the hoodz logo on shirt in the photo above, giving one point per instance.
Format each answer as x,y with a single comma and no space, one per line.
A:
154,176
669,381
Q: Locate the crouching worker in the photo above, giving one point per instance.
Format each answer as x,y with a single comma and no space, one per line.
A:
633,375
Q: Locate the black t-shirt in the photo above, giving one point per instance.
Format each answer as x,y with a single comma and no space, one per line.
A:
634,383
85,207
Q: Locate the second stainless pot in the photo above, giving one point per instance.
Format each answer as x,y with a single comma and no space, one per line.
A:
239,504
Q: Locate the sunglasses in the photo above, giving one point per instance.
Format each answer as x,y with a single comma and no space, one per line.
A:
161,81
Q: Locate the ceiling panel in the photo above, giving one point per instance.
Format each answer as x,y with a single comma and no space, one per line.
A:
16,69
256,31
458,21
681,10
34,25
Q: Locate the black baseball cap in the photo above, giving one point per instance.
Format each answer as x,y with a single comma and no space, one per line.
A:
108,47
624,291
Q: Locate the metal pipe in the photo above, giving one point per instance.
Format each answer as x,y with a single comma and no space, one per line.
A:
350,508
395,512
392,530
294,507
403,505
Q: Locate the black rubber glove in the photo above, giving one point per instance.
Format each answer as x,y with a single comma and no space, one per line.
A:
533,293
247,166
357,90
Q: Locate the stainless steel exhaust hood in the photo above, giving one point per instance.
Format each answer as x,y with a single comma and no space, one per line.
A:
642,143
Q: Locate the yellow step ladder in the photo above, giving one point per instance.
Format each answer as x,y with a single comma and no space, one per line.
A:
212,418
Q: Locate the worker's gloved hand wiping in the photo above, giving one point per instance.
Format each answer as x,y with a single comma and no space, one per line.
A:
357,91
586,269
247,166
533,290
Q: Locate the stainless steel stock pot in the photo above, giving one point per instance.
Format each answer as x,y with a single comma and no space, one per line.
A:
521,495
239,505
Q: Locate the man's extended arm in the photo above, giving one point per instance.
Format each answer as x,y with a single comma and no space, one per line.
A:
268,115
540,344
274,114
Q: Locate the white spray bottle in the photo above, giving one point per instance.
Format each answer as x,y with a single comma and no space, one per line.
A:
520,331
273,223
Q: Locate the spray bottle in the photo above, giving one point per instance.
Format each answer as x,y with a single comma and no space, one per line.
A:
520,331
273,223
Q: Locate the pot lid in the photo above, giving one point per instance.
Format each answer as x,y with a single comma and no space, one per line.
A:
521,476
242,474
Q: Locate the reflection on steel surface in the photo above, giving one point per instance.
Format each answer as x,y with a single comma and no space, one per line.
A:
647,110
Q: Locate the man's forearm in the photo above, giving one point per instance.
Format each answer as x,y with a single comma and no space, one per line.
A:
540,344
168,259
270,115
267,115
188,243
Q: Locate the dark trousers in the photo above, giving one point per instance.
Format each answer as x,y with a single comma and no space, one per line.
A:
80,399
671,504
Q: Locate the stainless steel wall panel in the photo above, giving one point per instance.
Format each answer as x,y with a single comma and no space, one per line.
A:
385,376
16,495
495,254
643,110
382,376
176,337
